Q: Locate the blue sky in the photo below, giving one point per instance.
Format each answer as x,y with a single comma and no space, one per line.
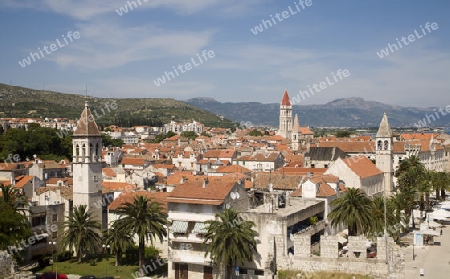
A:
121,56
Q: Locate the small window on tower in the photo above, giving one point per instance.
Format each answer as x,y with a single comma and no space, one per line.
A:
386,145
95,178
379,145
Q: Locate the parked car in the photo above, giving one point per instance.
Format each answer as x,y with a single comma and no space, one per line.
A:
88,277
52,275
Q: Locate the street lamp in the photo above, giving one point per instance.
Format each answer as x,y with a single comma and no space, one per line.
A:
106,252
52,244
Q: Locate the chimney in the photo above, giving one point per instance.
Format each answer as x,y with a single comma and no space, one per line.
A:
204,183
182,180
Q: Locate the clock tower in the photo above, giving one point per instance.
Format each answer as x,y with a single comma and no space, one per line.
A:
87,164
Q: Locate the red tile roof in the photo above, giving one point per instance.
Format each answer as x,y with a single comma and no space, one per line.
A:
25,179
233,169
362,166
134,161
193,192
109,172
109,186
286,100
160,197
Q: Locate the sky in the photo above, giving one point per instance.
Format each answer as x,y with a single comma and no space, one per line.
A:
122,56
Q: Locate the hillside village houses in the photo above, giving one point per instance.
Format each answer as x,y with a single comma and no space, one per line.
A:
280,182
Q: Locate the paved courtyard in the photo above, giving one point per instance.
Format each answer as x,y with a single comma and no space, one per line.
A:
435,260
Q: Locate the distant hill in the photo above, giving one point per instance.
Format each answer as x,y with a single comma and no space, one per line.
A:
18,101
344,112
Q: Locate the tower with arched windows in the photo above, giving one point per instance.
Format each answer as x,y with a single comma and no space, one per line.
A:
285,127
87,165
384,153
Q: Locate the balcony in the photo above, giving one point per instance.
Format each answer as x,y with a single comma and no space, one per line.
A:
187,231
189,256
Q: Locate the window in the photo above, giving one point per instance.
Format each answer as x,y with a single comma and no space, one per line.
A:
379,145
38,221
386,145
95,178
55,218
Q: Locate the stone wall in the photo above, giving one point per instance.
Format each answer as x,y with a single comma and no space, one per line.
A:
371,267
302,245
357,247
330,261
6,265
329,248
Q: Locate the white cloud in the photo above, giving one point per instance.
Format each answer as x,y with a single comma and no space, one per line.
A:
103,45
88,9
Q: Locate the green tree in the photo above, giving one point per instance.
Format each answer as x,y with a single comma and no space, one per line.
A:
107,140
14,226
80,232
206,134
189,134
119,241
230,240
412,180
144,218
354,209
343,134
255,133
440,182
170,134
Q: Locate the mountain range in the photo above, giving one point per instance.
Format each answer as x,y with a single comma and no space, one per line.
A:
16,101
351,112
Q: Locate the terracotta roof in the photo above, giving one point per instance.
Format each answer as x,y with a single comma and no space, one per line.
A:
133,161
109,172
25,179
362,166
160,197
110,186
8,166
301,171
279,181
324,190
86,125
163,166
173,138
175,178
233,169
286,100
261,157
350,146
219,153
193,192
417,136
306,131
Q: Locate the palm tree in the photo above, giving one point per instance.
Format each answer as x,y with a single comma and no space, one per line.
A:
354,209
146,219
230,240
81,231
119,240
440,182
377,224
14,225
